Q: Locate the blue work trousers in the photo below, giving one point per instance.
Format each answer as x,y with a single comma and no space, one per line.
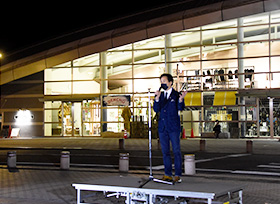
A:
165,137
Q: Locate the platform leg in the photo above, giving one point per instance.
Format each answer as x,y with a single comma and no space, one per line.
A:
151,198
128,198
209,201
78,196
240,197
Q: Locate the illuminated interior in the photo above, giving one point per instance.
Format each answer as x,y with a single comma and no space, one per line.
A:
206,57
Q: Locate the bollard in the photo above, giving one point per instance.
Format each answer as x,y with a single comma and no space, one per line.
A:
121,144
202,145
124,162
189,164
12,160
65,160
249,146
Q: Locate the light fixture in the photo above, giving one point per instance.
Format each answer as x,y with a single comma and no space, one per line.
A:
23,117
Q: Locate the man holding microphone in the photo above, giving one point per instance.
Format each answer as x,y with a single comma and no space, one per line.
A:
168,103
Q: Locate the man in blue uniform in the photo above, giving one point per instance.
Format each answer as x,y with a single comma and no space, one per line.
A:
168,103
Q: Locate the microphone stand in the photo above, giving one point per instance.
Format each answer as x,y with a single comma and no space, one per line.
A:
151,177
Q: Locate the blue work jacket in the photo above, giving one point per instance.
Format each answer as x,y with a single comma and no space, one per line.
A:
169,118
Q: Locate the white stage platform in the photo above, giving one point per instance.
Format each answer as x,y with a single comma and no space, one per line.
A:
191,188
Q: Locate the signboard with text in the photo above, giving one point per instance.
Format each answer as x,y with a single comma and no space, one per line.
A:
118,100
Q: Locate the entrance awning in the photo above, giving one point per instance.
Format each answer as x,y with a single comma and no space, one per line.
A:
224,98
193,99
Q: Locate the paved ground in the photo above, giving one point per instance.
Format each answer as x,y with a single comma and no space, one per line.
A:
43,184
54,186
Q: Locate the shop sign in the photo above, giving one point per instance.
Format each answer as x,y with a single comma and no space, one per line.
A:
120,100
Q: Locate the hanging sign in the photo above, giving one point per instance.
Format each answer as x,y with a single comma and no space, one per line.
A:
120,100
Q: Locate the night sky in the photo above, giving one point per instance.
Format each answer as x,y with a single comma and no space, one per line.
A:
23,24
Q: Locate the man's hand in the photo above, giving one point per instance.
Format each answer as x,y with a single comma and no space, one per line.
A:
182,96
157,95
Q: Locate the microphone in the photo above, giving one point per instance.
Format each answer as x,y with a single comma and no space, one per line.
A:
159,89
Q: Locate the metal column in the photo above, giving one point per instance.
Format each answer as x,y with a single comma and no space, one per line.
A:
271,117
168,54
258,116
103,87
241,76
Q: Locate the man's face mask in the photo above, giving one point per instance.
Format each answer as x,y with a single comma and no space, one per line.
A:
164,86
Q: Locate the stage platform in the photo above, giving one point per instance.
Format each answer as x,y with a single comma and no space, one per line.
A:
193,189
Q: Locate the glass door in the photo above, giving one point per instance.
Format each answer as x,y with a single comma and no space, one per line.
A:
66,118
77,115
72,117
91,116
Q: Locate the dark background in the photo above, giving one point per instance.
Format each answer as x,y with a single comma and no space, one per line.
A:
24,24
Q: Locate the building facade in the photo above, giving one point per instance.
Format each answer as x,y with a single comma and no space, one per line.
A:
229,67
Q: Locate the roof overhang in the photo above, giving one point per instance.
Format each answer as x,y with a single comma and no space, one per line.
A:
175,22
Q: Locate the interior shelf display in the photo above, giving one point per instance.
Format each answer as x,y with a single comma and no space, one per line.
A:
215,78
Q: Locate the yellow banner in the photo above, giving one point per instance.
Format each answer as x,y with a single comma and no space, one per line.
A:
193,99
224,98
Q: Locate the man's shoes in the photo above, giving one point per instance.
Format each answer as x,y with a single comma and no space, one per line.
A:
167,178
177,179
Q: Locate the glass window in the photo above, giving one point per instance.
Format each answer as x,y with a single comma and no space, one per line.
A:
275,48
57,88
51,115
127,47
91,114
256,49
275,64
258,64
91,111
219,36
52,104
91,60
85,73
208,99
219,51
275,16
119,86
121,71
86,87
275,67
149,56
220,74
53,129
256,33
91,129
142,85
186,39
262,18
58,74
63,65
116,58
157,42
275,31
221,25
186,54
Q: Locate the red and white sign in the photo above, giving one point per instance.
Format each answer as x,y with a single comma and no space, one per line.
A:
116,101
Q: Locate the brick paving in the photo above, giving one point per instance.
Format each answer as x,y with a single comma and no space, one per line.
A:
53,186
